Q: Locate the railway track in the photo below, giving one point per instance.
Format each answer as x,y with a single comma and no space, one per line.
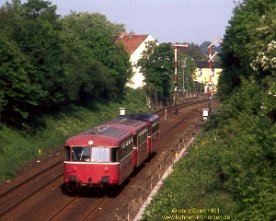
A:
175,108
16,195
140,186
89,205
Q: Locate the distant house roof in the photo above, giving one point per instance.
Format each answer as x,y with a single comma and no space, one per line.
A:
131,41
205,64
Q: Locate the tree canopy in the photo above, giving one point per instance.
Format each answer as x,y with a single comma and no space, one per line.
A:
48,62
103,67
248,49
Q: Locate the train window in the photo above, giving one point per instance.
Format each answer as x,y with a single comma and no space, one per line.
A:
126,148
80,154
155,128
135,140
67,153
100,154
114,154
142,136
130,146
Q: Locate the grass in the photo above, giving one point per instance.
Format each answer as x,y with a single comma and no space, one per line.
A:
193,186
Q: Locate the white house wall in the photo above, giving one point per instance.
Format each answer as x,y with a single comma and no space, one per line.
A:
137,80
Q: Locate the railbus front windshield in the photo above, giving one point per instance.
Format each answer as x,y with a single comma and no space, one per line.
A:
99,154
80,154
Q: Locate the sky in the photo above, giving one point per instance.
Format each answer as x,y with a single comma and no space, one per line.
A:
192,21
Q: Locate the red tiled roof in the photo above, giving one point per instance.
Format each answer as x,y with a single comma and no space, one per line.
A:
131,41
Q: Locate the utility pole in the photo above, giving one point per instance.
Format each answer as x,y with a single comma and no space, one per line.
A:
176,46
183,76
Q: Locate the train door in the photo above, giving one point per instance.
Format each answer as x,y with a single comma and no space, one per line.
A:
154,135
142,149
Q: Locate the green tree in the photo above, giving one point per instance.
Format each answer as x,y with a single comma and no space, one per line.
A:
250,32
88,40
35,28
18,90
69,60
39,39
157,65
195,51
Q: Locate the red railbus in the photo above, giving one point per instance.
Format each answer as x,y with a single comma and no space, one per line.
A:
98,157
107,154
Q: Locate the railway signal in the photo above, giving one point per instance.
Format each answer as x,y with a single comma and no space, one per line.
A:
211,57
176,47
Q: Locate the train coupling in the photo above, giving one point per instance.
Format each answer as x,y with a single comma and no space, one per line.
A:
105,180
89,182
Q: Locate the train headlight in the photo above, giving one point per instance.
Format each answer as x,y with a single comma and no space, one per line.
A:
106,170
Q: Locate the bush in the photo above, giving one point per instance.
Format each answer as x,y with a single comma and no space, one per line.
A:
231,166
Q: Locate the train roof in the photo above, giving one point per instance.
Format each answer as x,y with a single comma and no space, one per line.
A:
146,117
101,136
131,125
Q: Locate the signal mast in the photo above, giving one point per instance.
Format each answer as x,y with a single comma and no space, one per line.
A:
211,57
176,46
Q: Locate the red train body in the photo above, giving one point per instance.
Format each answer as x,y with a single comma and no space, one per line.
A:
107,154
152,121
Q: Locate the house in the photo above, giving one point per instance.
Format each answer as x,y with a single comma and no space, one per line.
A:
206,75
135,45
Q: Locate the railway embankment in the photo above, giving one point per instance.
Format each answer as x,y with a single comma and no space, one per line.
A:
229,171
